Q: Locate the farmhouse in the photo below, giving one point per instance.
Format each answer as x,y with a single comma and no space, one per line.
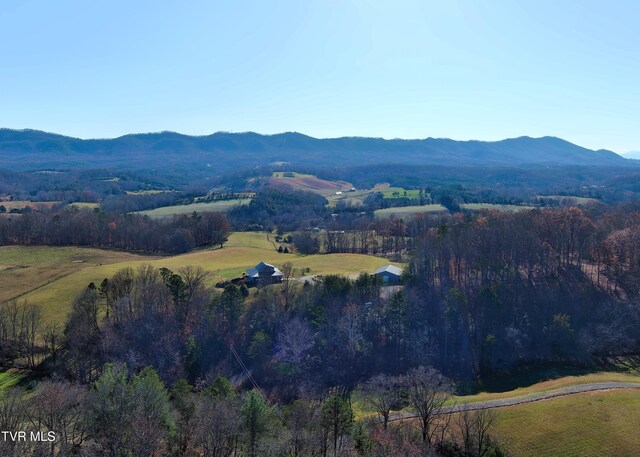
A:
390,274
263,274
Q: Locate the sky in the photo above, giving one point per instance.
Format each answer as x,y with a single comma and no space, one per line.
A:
466,69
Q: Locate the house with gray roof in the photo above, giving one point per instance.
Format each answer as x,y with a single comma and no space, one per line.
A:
264,274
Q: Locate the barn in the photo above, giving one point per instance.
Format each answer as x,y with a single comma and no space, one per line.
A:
390,275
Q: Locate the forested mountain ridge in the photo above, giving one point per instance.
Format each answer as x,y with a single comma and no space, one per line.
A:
221,151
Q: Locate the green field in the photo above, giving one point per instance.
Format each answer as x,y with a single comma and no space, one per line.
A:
598,423
409,211
219,205
492,206
9,379
603,423
551,385
399,192
55,290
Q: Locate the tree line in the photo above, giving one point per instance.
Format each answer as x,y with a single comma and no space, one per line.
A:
135,232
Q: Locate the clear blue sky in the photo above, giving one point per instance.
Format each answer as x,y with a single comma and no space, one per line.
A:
468,69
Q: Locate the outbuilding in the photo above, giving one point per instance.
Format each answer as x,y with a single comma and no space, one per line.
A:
390,274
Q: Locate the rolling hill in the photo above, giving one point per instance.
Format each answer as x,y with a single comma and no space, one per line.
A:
220,152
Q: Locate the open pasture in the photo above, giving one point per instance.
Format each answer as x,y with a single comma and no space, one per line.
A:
494,207
409,211
56,291
26,268
570,200
592,424
217,206
19,204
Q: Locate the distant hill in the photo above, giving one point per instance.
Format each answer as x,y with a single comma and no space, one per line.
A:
224,152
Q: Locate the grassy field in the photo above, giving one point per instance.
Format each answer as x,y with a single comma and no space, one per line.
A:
9,379
220,205
599,423
603,423
25,269
19,204
399,192
492,206
523,392
409,211
570,199
148,192
551,385
85,205
55,290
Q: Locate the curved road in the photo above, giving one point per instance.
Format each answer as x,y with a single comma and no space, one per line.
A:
571,390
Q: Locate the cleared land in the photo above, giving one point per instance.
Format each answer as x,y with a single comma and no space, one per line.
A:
594,423
492,206
148,192
85,205
570,199
351,198
409,211
26,268
308,183
552,385
399,192
19,204
603,423
219,205
244,250
9,379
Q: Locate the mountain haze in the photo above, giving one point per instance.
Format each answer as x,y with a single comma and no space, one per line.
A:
632,155
221,151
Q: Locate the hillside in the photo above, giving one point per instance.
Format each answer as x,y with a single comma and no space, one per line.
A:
36,281
223,152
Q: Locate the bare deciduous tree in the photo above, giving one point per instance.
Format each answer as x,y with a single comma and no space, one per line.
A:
427,392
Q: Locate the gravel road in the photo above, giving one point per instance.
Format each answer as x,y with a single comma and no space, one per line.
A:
528,398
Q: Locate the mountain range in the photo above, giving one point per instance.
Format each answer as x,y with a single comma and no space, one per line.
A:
632,155
223,152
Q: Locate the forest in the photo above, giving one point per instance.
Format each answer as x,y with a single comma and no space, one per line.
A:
129,231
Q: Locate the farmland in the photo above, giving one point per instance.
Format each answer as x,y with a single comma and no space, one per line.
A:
218,205
593,423
19,204
399,192
87,205
54,288
570,199
494,207
25,268
409,211
310,183
588,424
